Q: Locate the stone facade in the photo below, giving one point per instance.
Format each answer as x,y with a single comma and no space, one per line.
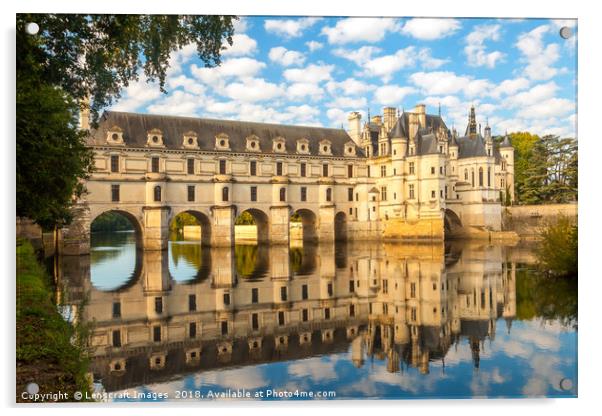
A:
400,176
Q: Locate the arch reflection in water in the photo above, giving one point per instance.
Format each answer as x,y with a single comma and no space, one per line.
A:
398,304
115,260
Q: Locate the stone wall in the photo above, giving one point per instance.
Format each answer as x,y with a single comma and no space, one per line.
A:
527,220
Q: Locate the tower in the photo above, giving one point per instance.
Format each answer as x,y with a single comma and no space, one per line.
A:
507,153
355,131
471,128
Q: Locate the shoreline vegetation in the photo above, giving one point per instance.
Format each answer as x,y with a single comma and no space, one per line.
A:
50,351
557,250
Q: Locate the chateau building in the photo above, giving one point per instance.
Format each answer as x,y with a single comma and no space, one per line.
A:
397,176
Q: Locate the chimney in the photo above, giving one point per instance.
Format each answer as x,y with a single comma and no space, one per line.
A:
420,111
390,117
84,114
377,120
355,130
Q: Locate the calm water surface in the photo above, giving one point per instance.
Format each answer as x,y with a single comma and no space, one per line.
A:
393,321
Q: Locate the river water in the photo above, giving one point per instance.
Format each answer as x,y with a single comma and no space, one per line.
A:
335,321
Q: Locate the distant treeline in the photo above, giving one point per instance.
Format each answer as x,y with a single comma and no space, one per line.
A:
111,221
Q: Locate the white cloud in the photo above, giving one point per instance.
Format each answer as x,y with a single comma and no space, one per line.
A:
552,107
180,57
430,29
386,66
304,89
235,67
392,94
354,103
428,61
445,82
310,74
289,28
359,56
178,103
360,29
241,45
188,84
475,46
538,57
336,116
304,113
349,86
313,45
538,93
252,89
241,25
285,57
449,101
136,95
510,87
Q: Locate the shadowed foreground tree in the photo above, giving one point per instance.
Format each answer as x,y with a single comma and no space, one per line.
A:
78,59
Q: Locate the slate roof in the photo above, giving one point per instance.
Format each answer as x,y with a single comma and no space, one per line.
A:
471,146
136,126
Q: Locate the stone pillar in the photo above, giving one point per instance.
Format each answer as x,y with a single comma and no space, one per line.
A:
280,263
222,233
327,261
74,240
326,227
156,227
279,225
222,263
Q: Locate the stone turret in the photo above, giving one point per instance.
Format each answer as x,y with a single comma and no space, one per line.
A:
355,126
389,118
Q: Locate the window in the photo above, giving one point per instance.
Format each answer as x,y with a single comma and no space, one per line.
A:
329,289
433,194
253,168
157,194
114,163
329,194
350,194
352,310
368,171
411,168
283,293
279,168
304,315
159,304
282,194
116,309
432,170
254,295
480,176
190,163
253,193
226,298
115,193
224,327
325,169
413,314
326,313
383,171
489,177
383,193
192,330
502,182
222,167
117,338
225,194
304,294
303,193
303,170
440,170
412,290
255,321
280,318
503,165
191,303
350,171
155,164
466,174
351,286
190,193
411,191
157,333
472,177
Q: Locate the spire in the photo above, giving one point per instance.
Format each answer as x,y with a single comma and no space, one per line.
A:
439,108
471,128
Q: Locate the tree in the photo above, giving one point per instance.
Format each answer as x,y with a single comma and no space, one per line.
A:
80,60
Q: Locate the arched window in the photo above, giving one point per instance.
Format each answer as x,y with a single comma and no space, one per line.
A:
225,193
466,174
489,177
472,177
329,194
157,193
282,194
480,176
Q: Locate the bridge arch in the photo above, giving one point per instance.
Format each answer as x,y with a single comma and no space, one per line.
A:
203,220
262,223
452,224
340,226
131,217
309,224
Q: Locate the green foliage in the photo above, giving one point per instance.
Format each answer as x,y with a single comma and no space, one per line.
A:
48,347
181,220
95,56
245,218
246,259
545,168
557,251
111,221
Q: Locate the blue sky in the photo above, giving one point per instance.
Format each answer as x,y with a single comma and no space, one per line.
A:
520,74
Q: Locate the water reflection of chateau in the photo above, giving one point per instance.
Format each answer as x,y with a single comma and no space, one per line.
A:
407,304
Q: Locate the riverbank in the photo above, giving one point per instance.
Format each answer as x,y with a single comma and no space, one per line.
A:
45,352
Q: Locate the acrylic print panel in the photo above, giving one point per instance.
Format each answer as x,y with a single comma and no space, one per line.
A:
323,208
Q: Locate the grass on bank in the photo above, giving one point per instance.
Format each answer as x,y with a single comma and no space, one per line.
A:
46,354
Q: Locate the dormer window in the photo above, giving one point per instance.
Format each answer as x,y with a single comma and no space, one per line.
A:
253,144
115,136
279,145
190,140
154,138
325,147
349,149
303,146
222,142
